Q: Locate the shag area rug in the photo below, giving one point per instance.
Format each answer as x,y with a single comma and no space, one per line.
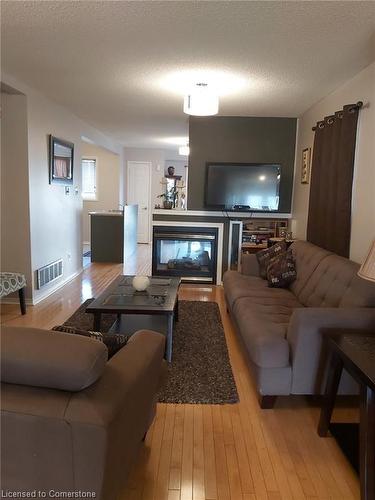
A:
200,371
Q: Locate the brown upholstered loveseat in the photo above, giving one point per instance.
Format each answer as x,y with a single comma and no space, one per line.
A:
71,421
281,328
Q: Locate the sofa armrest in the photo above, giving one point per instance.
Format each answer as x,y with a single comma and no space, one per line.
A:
249,264
109,419
131,378
305,339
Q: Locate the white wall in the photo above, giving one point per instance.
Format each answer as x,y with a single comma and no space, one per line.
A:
15,221
55,218
107,184
360,88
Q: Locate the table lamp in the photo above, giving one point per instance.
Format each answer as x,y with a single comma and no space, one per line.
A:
367,269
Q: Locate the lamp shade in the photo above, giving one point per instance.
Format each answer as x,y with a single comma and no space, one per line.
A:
367,269
200,101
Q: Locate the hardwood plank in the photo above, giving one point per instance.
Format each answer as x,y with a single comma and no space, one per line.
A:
177,446
209,455
198,455
222,480
152,465
187,455
161,488
247,485
233,472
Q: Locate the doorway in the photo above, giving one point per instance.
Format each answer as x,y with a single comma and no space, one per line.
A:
100,188
139,193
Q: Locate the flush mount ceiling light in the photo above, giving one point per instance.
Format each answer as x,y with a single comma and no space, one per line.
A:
201,101
184,150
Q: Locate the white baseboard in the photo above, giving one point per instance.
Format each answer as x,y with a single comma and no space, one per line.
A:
86,243
54,289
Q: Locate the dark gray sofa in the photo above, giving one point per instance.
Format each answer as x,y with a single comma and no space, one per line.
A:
281,328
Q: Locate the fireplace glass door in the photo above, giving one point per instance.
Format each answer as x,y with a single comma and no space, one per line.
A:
191,256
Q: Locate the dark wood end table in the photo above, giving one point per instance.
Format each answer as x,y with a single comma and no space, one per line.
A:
160,299
354,351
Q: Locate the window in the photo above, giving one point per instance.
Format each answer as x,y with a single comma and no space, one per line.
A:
88,179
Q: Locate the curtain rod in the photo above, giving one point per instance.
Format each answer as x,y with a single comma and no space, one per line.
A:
358,105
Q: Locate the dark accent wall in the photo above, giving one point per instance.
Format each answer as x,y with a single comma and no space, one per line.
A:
241,140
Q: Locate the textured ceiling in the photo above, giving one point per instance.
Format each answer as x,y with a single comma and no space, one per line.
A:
117,64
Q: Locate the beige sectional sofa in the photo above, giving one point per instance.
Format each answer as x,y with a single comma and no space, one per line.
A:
281,328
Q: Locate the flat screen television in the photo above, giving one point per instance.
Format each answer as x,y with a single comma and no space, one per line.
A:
252,187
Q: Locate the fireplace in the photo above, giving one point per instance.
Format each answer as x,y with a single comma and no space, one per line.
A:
185,251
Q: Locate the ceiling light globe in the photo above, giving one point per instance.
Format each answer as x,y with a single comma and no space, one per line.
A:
201,101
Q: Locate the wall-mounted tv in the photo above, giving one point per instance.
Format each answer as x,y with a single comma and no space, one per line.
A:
252,187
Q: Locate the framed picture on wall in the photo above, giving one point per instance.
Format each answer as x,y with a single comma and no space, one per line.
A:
61,155
305,169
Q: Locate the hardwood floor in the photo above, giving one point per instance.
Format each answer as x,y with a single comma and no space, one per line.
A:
218,452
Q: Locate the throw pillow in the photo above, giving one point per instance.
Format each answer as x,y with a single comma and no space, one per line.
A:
113,341
281,271
266,256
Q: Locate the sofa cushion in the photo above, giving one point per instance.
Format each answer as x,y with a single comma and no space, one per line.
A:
263,323
41,358
282,271
335,283
307,257
113,341
266,256
238,285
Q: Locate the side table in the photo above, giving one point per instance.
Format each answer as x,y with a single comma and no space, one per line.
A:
354,351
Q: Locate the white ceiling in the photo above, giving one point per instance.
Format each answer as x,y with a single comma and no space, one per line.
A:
117,64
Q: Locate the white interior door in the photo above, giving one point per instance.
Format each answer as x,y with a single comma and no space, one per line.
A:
139,193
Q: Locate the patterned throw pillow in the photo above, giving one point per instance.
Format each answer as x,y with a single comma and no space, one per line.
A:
282,271
113,341
265,257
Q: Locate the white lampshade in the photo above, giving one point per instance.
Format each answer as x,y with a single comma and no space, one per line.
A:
200,101
367,269
184,150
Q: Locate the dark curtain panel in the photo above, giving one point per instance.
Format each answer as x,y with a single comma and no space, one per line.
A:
329,218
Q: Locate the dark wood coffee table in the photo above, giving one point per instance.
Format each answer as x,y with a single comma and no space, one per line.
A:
160,299
354,351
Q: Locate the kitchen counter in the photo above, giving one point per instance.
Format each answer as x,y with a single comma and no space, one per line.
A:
116,213
113,234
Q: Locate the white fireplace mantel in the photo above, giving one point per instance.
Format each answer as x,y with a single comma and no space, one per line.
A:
222,213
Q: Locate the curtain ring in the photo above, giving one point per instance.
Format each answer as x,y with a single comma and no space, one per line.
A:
340,114
330,120
321,125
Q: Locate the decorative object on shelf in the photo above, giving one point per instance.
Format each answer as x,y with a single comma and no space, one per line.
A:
305,170
183,201
167,204
180,195
367,269
141,283
201,101
173,190
61,156
171,170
